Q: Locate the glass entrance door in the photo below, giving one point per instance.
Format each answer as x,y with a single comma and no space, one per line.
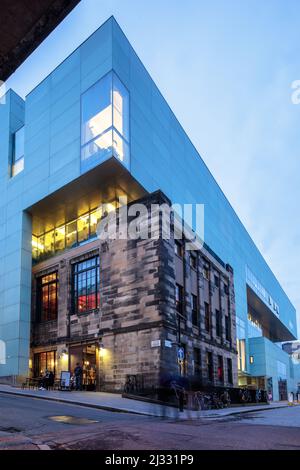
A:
85,355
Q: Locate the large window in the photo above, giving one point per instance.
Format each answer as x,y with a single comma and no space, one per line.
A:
210,366
227,328
18,152
43,361
47,297
86,276
195,316
197,362
229,371
218,323
207,317
70,235
220,369
105,122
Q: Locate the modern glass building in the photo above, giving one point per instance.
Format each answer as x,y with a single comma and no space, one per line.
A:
96,128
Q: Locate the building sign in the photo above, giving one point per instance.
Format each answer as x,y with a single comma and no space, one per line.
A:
155,343
180,354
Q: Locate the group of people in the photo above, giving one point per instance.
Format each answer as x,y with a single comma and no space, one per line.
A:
47,380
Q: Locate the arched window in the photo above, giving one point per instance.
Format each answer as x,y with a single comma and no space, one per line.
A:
2,352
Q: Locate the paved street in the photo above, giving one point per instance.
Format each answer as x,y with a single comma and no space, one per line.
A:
37,424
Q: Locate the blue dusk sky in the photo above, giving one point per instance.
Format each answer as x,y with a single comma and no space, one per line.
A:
226,69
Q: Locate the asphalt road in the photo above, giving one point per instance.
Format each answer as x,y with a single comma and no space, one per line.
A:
28,423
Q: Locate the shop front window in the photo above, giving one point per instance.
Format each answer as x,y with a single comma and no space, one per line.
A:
44,361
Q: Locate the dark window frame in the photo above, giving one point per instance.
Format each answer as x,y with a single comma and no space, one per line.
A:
218,323
193,261
179,298
48,314
210,366
227,328
229,371
37,362
195,310
178,249
76,275
207,317
220,371
197,364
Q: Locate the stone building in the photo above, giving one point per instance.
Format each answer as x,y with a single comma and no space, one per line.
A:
125,306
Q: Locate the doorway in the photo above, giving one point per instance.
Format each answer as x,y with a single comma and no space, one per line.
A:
86,356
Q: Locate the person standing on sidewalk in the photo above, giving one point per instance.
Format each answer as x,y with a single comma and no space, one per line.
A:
78,376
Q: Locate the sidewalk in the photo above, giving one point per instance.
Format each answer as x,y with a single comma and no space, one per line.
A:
115,402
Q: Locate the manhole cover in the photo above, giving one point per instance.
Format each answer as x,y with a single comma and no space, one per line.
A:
72,420
10,429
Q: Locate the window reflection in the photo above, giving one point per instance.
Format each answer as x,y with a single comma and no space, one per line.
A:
105,122
49,242
101,146
71,234
94,220
60,235
83,228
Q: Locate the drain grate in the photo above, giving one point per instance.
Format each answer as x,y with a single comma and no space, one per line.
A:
72,420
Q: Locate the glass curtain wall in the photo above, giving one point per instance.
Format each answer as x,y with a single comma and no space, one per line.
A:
104,122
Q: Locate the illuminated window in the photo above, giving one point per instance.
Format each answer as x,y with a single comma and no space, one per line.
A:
71,234
86,275
241,347
43,361
105,122
47,287
83,228
95,218
251,359
18,152
49,242
60,238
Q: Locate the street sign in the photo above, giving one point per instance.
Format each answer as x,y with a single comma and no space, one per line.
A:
180,354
